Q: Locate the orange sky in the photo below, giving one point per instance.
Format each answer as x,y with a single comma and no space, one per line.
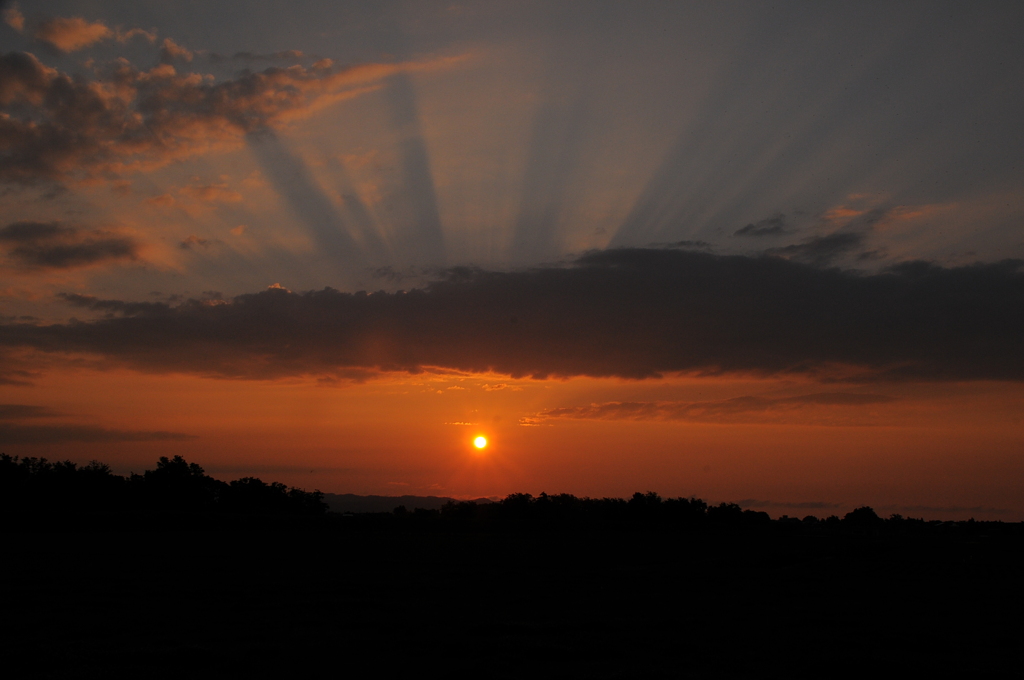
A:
951,450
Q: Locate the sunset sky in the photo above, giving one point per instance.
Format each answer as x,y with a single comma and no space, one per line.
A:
765,253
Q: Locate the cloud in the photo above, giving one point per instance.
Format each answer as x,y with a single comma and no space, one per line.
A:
693,245
171,51
17,378
113,306
770,226
849,229
124,36
14,18
821,250
22,368
161,201
724,410
54,126
14,432
20,411
60,434
69,34
631,313
55,245
192,242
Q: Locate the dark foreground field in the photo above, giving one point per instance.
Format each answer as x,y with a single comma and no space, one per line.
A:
367,600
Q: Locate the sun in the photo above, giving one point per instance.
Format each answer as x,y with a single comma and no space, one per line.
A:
480,442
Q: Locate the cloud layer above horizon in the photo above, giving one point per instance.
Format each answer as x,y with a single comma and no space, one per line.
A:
629,313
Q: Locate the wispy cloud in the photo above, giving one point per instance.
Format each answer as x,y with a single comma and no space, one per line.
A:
821,250
90,434
769,226
737,408
56,127
14,431
24,411
56,245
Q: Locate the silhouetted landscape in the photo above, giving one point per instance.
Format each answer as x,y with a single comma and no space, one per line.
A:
172,573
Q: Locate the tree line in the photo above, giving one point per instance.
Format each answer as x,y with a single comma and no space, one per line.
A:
37,486
651,511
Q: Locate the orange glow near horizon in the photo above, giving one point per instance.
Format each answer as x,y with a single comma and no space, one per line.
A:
942,447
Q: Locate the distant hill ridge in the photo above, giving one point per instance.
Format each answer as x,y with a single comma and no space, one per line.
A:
350,502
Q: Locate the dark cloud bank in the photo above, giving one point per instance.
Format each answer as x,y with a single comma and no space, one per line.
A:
632,313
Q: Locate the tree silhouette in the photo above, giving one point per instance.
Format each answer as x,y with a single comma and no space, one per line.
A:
863,516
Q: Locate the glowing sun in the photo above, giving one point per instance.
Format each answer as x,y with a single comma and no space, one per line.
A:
480,442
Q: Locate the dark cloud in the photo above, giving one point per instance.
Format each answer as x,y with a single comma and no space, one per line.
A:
821,250
868,255
696,245
19,378
22,411
113,306
391,275
770,226
30,232
631,313
55,245
726,409
193,241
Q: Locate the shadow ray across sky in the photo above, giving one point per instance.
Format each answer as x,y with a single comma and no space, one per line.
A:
292,179
553,155
417,234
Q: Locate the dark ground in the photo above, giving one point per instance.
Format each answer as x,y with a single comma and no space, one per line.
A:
608,604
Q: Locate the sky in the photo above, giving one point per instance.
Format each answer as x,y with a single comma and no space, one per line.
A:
764,253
